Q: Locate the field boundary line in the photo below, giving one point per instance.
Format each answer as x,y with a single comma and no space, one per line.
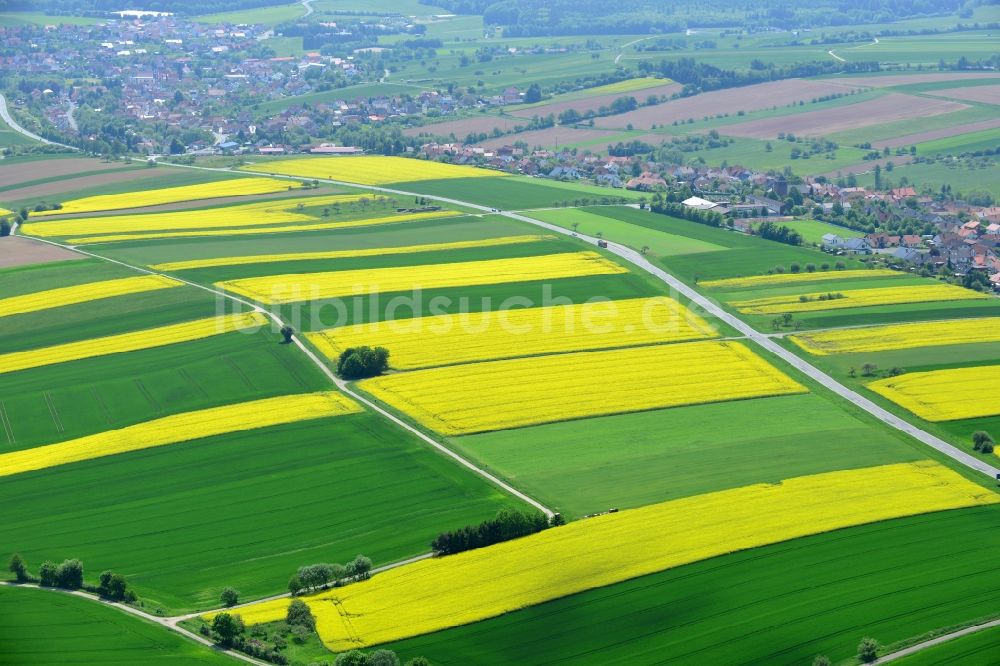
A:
8,428
913,649
337,381
762,340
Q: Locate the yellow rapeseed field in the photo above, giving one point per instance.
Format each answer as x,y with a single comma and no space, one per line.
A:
945,395
81,293
346,254
900,336
438,593
223,188
798,278
243,215
495,395
370,170
294,287
181,428
134,341
858,298
273,229
480,336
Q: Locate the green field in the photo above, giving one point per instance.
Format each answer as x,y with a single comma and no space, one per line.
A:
514,193
271,15
629,460
978,649
780,604
15,19
246,509
43,628
962,178
813,230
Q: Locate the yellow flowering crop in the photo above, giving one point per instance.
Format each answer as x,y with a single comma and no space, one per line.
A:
243,215
900,336
495,395
293,287
181,428
443,592
945,395
858,298
4,212
274,229
81,293
223,188
479,336
134,341
345,254
797,278
370,170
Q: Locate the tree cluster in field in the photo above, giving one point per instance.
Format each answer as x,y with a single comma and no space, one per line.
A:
313,577
509,523
361,362
69,576
376,658
779,233
832,296
983,442
707,217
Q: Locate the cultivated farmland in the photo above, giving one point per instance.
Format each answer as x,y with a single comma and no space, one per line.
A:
796,278
487,582
857,298
454,400
53,298
944,395
901,336
375,170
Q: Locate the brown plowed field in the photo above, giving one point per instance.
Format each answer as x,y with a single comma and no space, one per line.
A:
929,135
22,172
731,101
597,101
461,128
57,190
886,109
20,251
903,79
984,94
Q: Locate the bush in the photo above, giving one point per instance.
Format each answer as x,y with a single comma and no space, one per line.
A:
227,628
361,362
868,650
981,438
47,574
69,575
299,615
229,597
112,586
18,568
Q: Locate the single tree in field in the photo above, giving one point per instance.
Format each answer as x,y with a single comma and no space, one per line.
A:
287,332
868,650
18,568
300,614
979,438
868,369
575,225
229,597
227,627
786,319
644,250
821,660
852,373
776,323
112,586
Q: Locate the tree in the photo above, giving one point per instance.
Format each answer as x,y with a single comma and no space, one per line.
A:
360,567
227,627
287,332
418,661
299,614
47,574
533,94
383,658
70,575
821,660
868,369
4,228
18,568
112,586
360,362
294,585
229,596
352,658
868,650
979,438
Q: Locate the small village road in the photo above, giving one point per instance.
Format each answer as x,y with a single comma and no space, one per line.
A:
5,115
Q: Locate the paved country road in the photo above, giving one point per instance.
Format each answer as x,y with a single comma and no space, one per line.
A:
5,115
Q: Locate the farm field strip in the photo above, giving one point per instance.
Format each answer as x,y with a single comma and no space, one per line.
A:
945,395
145,198
460,338
243,215
295,287
797,278
133,341
181,428
458,589
346,254
984,94
900,336
858,298
249,231
370,170
497,395
82,293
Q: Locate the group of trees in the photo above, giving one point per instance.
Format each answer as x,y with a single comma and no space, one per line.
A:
361,362
707,217
317,576
69,576
509,523
982,441
780,233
